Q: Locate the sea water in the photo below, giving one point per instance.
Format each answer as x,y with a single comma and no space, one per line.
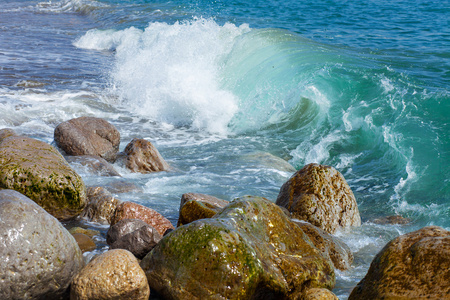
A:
226,89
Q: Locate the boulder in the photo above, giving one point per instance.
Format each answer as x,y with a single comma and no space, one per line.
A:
195,206
412,266
332,247
319,294
320,195
6,132
250,250
38,256
143,157
85,242
88,136
39,171
94,164
113,275
130,210
133,235
100,207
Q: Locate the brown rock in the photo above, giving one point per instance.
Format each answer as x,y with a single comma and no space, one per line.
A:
331,247
6,132
101,205
88,232
94,164
114,275
143,157
84,242
319,294
88,136
195,206
392,220
412,266
38,170
133,235
320,195
130,210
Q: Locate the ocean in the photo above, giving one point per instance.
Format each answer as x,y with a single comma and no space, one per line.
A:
225,89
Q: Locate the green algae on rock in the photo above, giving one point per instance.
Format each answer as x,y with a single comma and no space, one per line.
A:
250,250
40,172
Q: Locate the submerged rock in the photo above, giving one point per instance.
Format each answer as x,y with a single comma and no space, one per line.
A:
143,157
130,210
85,242
320,195
195,206
101,205
412,266
269,160
88,136
331,246
133,235
115,274
95,164
250,250
38,256
392,220
39,171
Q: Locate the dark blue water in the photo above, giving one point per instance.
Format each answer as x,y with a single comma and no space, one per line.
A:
222,87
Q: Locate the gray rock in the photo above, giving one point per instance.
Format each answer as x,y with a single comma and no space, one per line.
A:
133,235
38,257
101,205
88,136
94,164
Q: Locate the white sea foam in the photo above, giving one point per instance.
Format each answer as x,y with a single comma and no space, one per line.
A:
171,73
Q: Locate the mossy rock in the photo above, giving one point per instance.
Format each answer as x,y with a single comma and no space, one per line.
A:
40,172
250,250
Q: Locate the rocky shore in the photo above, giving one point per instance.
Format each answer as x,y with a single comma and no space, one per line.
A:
249,248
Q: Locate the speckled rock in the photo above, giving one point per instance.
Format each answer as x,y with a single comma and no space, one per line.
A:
100,207
6,132
143,157
331,246
412,266
195,206
38,256
250,250
130,210
319,294
88,136
133,235
85,242
320,195
93,164
113,275
39,171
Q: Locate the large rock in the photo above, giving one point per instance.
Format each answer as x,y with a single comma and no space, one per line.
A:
114,275
38,257
39,171
195,206
250,250
412,266
320,195
331,247
88,136
133,235
130,210
6,132
143,157
101,205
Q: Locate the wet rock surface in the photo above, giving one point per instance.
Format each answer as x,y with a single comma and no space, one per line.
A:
100,207
141,156
39,171
133,235
250,250
39,256
412,266
320,195
196,206
94,164
115,274
88,136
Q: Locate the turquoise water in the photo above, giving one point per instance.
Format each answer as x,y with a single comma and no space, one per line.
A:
221,87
